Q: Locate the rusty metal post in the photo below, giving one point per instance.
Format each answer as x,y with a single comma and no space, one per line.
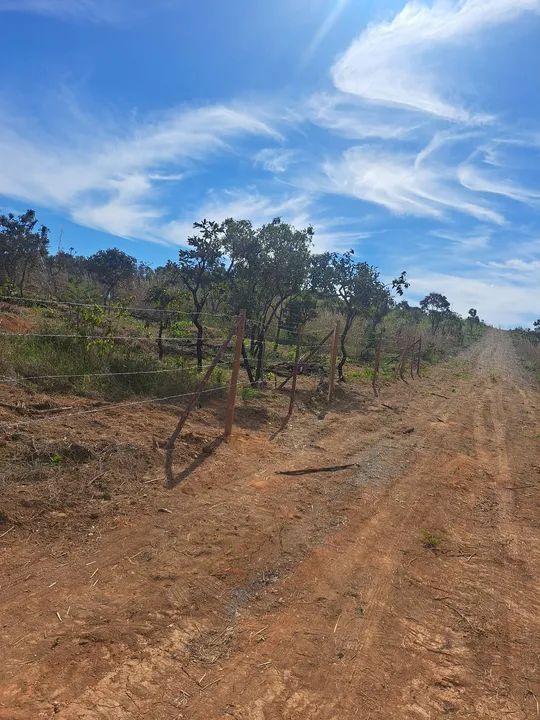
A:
231,401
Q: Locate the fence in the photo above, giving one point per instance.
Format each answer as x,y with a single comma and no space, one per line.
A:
234,359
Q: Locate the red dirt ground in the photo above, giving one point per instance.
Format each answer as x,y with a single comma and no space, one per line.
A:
405,586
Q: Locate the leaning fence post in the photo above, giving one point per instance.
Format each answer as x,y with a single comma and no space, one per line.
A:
333,358
169,445
295,373
231,401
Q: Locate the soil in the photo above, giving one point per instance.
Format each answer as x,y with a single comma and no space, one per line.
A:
403,586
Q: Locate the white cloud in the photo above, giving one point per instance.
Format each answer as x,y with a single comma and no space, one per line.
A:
276,160
357,120
479,180
393,62
239,205
512,264
503,303
297,209
394,180
478,240
111,182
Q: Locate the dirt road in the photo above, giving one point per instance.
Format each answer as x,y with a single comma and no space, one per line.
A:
405,586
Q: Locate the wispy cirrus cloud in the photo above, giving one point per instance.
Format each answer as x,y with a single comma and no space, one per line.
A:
111,182
395,62
353,119
480,180
394,180
299,208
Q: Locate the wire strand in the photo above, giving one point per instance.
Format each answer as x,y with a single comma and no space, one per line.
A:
6,379
101,337
113,406
69,303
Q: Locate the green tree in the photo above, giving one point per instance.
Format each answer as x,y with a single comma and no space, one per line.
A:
199,268
162,297
354,288
472,319
111,268
436,306
268,267
22,243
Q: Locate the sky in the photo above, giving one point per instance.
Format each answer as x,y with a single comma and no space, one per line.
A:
407,131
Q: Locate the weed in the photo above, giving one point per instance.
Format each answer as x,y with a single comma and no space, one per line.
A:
429,540
249,393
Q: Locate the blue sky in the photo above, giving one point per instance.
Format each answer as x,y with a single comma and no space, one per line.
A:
406,130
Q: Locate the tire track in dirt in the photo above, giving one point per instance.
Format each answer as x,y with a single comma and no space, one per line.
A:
361,621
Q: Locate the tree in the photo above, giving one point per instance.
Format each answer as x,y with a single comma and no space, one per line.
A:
354,287
268,267
111,267
21,244
472,319
436,306
161,297
199,268
536,326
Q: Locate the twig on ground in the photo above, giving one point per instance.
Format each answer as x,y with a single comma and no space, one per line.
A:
310,471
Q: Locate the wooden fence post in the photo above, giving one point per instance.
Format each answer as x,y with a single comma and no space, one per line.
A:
333,358
375,379
169,445
295,373
419,356
231,402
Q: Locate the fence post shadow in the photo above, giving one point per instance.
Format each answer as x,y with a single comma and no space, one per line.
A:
197,461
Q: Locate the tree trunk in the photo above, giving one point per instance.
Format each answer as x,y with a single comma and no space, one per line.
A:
200,334
260,357
247,366
278,331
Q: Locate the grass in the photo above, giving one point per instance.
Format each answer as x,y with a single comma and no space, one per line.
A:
430,541
134,367
250,393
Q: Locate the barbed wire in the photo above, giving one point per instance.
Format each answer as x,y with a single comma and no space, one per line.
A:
113,406
69,303
16,380
102,337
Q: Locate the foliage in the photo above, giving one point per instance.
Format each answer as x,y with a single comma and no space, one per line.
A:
110,268
437,307
21,245
353,288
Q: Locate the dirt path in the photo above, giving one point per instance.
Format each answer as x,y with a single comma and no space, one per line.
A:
406,586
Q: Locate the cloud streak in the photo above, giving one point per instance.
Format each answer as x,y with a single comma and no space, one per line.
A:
394,180
112,183
393,62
